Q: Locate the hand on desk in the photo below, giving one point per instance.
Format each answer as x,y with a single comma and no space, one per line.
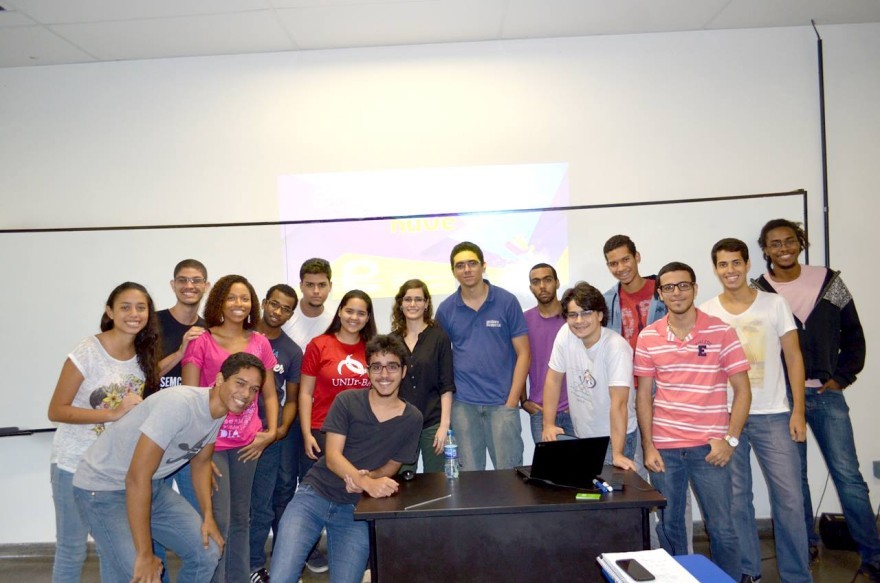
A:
623,462
375,487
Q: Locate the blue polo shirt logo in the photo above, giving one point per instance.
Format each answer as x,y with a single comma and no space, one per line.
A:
493,323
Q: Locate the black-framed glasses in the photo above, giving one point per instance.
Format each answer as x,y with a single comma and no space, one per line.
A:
392,367
682,286
276,306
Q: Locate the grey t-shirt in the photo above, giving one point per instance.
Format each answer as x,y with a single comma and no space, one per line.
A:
177,419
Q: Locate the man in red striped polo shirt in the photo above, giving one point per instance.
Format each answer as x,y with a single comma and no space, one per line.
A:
687,433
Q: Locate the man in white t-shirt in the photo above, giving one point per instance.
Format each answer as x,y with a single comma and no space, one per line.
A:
309,319
765,326
598,364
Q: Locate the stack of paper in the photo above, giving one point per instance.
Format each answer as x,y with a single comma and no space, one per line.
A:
661,565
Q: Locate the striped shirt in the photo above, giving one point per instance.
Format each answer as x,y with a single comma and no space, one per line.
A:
690,405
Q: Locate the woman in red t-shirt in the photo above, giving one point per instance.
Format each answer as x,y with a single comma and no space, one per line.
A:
333,362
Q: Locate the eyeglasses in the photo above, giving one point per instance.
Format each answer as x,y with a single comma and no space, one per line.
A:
462,265
573,316
413,300
276,306
392,367
193,280
682,286
790,242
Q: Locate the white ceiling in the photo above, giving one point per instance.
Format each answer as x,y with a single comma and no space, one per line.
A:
48,32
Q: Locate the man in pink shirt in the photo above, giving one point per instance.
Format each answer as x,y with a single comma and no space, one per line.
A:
688,435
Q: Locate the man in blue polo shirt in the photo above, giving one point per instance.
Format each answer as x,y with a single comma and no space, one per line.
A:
490,349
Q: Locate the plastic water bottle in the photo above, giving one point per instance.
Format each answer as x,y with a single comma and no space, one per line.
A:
450,451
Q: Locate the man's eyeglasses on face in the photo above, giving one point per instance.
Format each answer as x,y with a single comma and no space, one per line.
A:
682,286
777,244
276,306
392,367
573,316
193,280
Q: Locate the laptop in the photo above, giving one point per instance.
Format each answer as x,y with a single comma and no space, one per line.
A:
570,463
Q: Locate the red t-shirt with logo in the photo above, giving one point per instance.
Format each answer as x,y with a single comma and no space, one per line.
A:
634,311
336,368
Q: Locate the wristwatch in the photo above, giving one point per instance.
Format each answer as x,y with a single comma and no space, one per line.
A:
731,441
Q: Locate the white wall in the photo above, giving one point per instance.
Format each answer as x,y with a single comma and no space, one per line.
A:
638,118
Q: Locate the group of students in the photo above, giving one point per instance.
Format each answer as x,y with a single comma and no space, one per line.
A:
746,372
237,449
285,445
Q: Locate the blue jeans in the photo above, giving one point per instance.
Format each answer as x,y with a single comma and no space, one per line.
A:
494,427
232,504
274,484
828,417
174,524
711,485
183,478
348,540
71,531
769,437
639,459
536,423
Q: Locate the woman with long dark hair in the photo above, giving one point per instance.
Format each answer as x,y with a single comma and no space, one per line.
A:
101,380
231,313
429,383
333,362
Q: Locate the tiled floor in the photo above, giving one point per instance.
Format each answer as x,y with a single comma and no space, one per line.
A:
833,567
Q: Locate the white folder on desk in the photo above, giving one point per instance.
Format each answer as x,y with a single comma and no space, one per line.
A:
660,563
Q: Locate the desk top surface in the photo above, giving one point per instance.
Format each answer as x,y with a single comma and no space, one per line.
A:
499,492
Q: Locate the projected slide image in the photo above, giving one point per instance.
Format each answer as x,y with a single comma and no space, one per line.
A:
377,255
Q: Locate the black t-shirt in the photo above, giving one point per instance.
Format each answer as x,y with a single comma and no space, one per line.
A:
171,332
369,444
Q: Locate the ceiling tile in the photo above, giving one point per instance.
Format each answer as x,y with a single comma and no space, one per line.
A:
10,17
248,32
27,46
745,13
394,23
554,18
305,3
66,11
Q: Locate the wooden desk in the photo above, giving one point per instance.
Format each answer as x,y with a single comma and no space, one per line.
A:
495,527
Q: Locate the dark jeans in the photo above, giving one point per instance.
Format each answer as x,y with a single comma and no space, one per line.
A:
828,417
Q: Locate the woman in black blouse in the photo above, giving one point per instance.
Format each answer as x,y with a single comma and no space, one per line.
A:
428,384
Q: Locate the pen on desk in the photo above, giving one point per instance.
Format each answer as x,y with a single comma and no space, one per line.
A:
600,486
608,486
428,502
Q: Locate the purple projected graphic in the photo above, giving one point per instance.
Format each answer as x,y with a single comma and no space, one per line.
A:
377,255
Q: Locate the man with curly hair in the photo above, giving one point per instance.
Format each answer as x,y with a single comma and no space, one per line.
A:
833,345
